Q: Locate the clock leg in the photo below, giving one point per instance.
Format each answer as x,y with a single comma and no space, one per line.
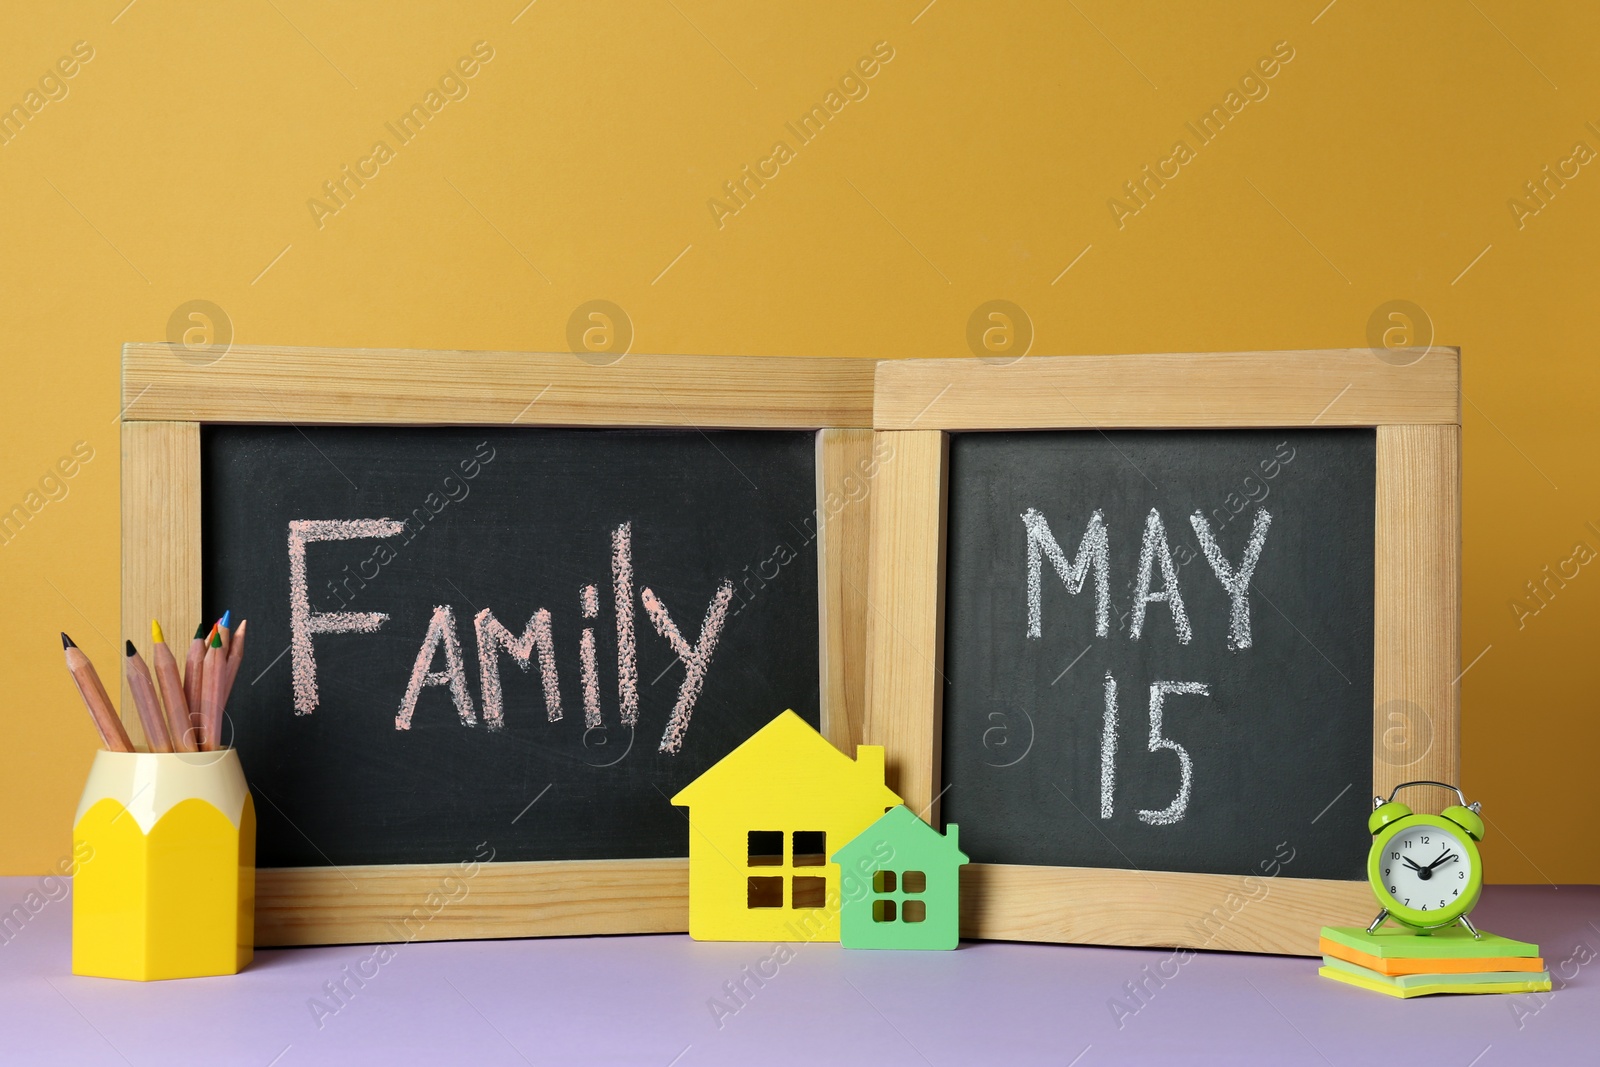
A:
1464,921
1383,914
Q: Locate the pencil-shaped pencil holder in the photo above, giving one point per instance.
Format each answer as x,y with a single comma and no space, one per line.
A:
168,883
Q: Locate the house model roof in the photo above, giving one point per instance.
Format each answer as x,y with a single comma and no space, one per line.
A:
900,823
786,755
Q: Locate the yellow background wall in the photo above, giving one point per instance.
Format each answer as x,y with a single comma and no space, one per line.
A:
1379,167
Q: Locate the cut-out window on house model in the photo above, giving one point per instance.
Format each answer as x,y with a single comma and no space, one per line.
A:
810,848
809,892
765,892
766,848
885,909
807,848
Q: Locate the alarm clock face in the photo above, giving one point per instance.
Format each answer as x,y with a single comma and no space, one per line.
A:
1427,869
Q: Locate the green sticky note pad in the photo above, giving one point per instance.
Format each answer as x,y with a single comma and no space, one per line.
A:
1451,943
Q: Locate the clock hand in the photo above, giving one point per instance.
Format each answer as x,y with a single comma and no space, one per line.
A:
1440,860
1407,861
1443,859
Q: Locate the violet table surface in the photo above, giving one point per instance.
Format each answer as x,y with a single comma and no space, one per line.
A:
644,1000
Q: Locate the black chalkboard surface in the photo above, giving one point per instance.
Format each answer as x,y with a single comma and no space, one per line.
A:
1262,744
379,734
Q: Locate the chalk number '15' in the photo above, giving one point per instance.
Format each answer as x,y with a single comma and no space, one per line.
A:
1159,691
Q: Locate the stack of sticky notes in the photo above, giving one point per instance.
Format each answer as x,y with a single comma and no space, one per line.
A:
1408,963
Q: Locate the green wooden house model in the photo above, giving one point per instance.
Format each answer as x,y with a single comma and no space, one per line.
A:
902,885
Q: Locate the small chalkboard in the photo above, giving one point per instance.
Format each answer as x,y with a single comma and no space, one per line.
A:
1149,633
1153,630
502,607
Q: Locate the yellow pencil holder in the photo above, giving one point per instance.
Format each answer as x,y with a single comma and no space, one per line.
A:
166,882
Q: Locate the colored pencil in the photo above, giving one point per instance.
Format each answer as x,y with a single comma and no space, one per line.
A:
205,646
143,688
235,656
178,725
225,632
191,678
95,699
211,694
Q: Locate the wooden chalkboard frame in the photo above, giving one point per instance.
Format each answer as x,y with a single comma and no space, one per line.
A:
1412,398
168,392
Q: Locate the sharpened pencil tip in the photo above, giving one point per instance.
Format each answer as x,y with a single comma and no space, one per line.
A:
226,615
66,642
199,631
155,633
131,650
216,640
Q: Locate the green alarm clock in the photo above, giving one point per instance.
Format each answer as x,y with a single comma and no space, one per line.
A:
1425,869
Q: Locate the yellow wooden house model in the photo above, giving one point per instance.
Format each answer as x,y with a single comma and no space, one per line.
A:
763,822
